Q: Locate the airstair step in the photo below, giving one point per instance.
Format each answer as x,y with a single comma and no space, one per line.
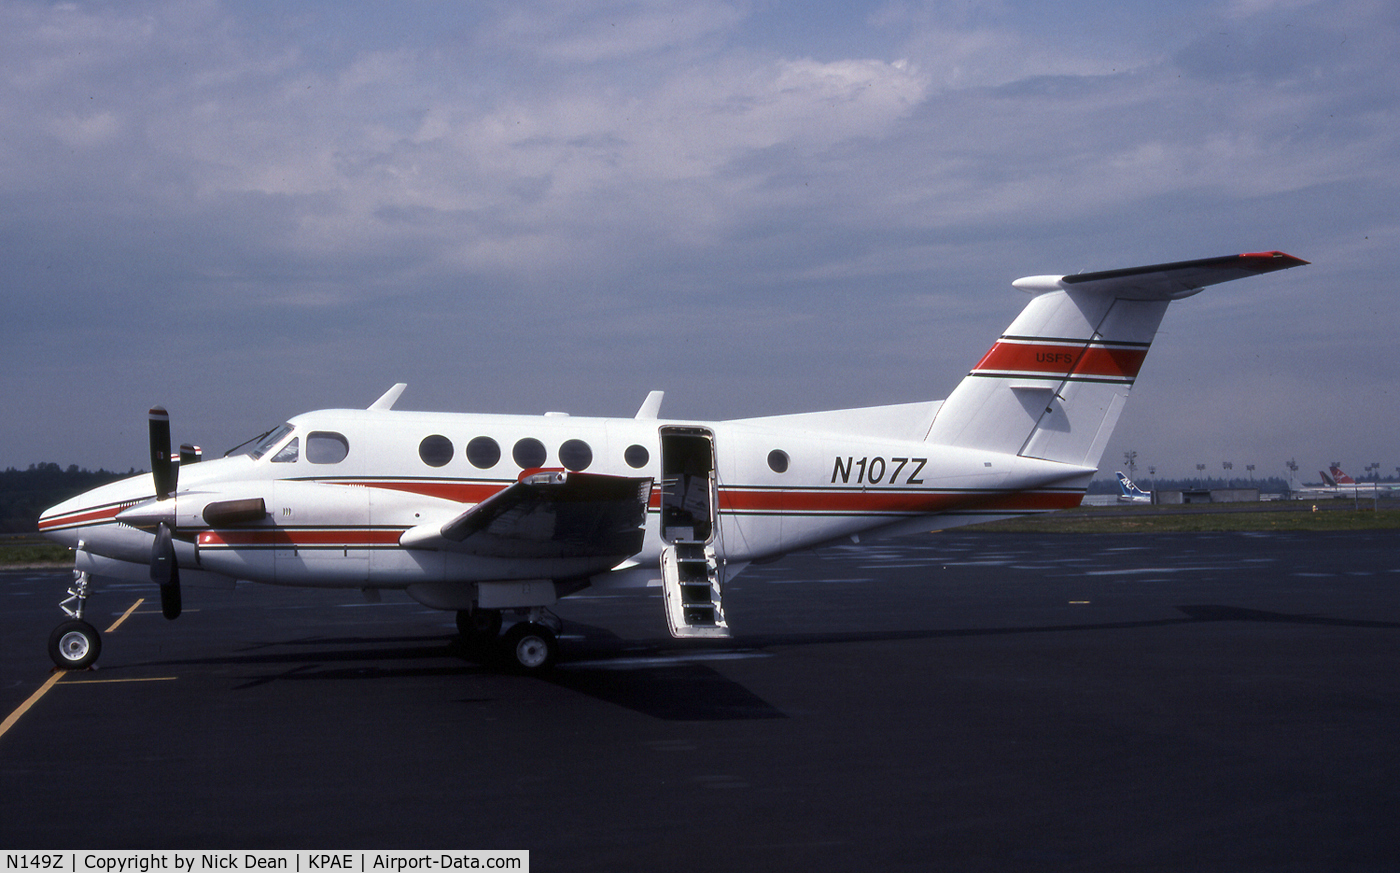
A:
693,588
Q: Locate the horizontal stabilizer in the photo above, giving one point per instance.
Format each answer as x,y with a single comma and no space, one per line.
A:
1164,281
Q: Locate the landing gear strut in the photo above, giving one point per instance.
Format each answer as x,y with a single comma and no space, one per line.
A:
75,644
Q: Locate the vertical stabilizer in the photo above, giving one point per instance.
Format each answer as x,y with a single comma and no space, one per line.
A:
1052,387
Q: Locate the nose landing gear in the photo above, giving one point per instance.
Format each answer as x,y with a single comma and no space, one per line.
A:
75,644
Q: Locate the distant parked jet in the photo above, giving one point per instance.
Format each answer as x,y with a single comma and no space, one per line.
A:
1339,484
1130,493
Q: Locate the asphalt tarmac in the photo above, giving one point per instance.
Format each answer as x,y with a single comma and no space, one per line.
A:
964,701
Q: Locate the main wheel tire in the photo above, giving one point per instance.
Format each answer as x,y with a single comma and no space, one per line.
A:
530,648
74,645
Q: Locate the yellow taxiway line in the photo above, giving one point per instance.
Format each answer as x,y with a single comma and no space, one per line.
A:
118,623
33,699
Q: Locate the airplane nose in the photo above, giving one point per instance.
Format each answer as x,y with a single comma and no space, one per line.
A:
65,522
48,521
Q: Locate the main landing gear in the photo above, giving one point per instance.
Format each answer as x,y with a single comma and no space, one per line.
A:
75,644
530,646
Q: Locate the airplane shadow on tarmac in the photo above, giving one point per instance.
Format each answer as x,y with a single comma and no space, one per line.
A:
668,680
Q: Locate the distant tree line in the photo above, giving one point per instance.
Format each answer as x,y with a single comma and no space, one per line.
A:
24,494
1266,485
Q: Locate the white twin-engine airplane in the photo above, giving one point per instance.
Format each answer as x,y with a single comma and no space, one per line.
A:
493,514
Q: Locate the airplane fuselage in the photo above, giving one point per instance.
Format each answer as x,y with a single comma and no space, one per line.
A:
340,500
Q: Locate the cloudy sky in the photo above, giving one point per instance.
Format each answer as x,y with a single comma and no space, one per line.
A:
243,211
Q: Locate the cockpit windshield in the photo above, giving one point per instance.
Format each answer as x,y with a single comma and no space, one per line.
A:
262,443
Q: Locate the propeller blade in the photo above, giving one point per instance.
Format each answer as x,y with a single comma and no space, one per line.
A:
162,470
165,571
170,595
190,454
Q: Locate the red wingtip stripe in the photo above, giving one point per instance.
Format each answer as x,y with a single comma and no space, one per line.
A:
1268,261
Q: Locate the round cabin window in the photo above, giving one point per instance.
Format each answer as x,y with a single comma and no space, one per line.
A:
575,455
435,450
483,452
528,453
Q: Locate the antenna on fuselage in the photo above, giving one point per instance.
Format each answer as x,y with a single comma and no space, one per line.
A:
387,400
651,407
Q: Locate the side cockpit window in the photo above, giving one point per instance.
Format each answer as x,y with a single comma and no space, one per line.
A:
288,453
326,447
266,443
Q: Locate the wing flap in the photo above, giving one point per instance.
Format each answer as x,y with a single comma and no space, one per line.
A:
548,515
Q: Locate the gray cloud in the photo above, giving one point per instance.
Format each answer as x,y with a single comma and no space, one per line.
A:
243,213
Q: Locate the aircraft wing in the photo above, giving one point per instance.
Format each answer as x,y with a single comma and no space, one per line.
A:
548,515
1165,281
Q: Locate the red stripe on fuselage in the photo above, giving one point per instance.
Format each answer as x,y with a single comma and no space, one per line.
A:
81,517
732,501
331,538
457,490
852,502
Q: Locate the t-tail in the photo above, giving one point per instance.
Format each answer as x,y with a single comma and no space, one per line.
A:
1052,387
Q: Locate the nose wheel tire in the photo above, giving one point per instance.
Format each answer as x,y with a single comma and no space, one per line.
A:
75,645
530,648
